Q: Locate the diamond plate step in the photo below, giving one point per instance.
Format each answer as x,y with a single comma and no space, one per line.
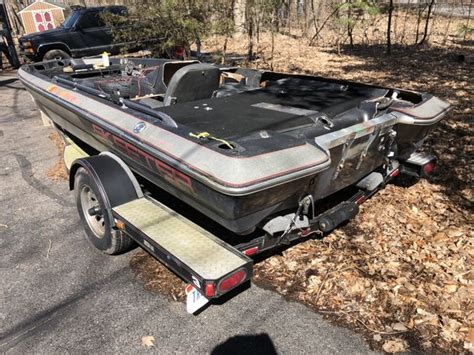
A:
419,159
208,256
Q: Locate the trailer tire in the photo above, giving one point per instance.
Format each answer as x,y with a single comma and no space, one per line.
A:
98,227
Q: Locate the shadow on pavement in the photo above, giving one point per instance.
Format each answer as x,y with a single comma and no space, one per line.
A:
8,81
47,319
246,344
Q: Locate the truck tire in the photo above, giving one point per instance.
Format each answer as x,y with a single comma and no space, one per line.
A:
98,227
55,54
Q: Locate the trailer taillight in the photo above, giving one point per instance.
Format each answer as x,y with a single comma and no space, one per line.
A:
395,172
232,280
419,165
210,290
251,251
428,168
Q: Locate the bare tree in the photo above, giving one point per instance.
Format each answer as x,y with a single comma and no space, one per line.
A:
314,17
407,13
450,18
389,27
468,20
318,31
421,10
350,24
226,25
249,25
428,17
239,16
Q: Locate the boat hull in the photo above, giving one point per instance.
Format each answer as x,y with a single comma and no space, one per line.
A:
351,154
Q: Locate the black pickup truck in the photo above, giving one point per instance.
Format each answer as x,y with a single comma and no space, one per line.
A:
83,33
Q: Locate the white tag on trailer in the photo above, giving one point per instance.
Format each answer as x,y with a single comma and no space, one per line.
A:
194,299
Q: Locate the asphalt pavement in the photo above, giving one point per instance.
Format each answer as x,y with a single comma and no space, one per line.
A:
60,295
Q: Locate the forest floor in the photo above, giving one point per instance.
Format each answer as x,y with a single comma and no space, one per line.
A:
401,272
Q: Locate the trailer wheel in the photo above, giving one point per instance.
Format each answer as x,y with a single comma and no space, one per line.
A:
95,217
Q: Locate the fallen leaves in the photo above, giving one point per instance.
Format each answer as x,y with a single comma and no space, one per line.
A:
58,171
156,277
148,341
403,269
409,283
394,346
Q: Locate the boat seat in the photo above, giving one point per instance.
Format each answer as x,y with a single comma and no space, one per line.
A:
192,82
252,77
229,89
155,80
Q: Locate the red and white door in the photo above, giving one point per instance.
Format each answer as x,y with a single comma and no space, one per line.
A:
43,20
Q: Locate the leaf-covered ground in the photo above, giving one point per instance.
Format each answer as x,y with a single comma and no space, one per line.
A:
402,271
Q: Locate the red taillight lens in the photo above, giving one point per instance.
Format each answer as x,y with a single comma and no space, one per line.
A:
428,168
360,200
251,251
232,280
395,172
210,290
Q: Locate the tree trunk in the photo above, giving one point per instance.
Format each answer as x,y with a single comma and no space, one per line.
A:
446,32
418,21
239,16
304,26
407,12
468,20
249,22
13,7
395,23
273,38
349,24
224,50
311,42
288,17
229,11
428,17
314,20
389,27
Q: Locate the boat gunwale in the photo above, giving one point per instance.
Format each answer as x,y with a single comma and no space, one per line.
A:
321,145
235,189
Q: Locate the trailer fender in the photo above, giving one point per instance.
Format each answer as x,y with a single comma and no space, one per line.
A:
116,181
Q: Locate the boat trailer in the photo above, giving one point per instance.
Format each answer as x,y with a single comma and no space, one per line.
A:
209,265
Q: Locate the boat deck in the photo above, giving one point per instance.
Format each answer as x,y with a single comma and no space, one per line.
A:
280,107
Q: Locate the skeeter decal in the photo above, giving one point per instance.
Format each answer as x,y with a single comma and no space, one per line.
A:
53,89
174,176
